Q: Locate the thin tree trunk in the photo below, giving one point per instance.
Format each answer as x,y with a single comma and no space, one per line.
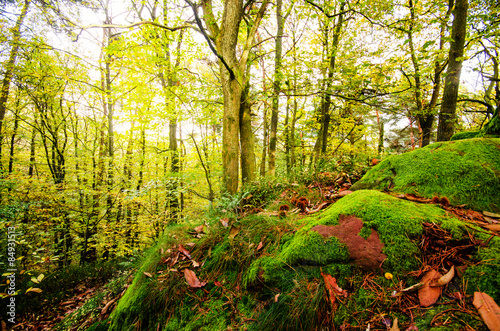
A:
248,162
447,115
31,168
13,141
276,89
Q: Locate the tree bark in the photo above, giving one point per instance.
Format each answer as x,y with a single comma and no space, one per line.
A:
447,115
232,74
248,162
276,89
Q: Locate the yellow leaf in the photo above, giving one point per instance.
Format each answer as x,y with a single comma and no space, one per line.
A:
233,232
34,289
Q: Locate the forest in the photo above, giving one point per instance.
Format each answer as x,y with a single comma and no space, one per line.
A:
123,123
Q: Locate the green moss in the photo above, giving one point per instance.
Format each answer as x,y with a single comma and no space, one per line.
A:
280,285
484,277
464,171
464,135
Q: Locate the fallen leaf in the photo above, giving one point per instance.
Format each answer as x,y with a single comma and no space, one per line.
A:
217,283
147,274
199,229
443,280
427,294
344,193
488,309
333,288
233,231
493,227
34,289
490,214
318,208
192,280
413,287
395,326
276,296
388,275
225,222
184,251
195,264
259,246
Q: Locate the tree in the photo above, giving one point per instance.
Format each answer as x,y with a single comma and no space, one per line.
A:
222,38
10,65
447,115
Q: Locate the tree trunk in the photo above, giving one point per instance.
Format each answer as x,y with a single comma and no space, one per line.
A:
9,66
31,169
12,142
232,74
276,89
447,115
248,162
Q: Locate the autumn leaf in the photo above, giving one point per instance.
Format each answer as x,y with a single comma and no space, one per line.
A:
490,214
427,294
34,289
332,287
443,280
38,279
233,231
184,251
224,222
259,246
192,280
488,309
199,229
493,227
395,326
147,274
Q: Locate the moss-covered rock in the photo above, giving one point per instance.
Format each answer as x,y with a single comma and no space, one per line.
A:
465,171
269,275
464,135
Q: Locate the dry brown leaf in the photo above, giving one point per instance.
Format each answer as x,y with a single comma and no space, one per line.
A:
427,294
395,326
199,229
192,280
493,227
147,274
332,287
259,246
490,214
34,289
276,296
195,264
224,222
233,232
344,193
184,251
445,279
488,309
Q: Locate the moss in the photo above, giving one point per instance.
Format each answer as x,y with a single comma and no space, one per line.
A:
465,171
144,298
280,285
464,135
483,277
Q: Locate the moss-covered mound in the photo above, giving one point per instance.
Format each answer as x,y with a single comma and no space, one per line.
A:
465,171
269,273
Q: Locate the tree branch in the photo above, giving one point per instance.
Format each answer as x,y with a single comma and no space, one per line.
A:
209,41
